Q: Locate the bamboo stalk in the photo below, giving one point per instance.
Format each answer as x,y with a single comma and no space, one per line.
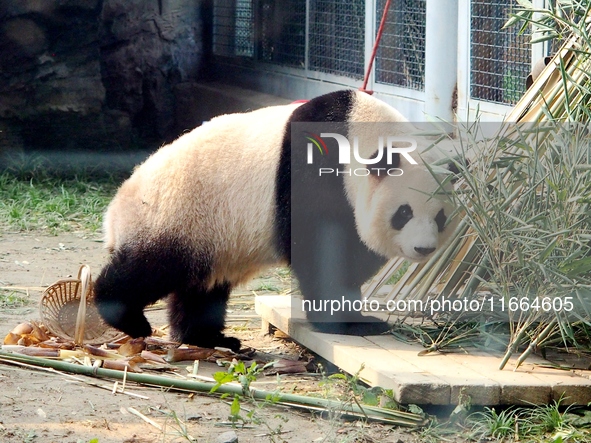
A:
513,346
540,337
374,413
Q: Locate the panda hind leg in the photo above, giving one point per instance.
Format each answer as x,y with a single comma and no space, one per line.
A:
197,317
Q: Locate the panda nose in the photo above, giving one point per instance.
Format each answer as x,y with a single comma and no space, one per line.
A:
424,251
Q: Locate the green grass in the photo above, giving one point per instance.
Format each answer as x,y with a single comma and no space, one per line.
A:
396,276
535,424
10,299
54,204
492,424
267,287
552,423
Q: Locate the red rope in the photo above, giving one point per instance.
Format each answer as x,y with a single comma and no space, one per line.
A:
375,48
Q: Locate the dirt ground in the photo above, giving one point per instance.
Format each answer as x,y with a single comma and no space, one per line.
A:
37,406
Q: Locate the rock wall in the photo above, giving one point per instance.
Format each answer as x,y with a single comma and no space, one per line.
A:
94,74
146,49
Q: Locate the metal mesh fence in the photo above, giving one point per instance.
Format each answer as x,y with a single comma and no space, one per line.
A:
282,32
500,58
233,28
401,56
275,31
337,35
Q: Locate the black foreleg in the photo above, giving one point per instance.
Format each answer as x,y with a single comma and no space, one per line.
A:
197,317
331,264
134,279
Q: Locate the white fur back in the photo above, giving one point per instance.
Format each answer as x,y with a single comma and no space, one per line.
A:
212,187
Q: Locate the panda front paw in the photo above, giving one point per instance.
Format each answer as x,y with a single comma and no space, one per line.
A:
132,322
208,339
231,343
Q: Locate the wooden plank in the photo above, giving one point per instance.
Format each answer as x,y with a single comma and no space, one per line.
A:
409,383
463,381
531,382
275,310
517,388
437,378
498,387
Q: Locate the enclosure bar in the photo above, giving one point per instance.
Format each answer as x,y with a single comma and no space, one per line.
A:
441,49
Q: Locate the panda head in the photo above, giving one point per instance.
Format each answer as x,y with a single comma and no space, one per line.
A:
402,216
406,214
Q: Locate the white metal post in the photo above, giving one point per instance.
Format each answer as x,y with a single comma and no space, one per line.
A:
370,36
538,50
441,49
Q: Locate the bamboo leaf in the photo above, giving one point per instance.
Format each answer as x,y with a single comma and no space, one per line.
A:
546,252
526,4
576,267
547,36
516,18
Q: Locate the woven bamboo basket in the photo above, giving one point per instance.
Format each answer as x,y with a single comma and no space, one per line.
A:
68,311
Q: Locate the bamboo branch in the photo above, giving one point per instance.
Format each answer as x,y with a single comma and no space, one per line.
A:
373,413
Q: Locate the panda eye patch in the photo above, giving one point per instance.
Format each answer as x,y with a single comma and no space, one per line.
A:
440,219
401,217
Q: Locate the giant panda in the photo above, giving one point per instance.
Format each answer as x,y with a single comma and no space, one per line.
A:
222,202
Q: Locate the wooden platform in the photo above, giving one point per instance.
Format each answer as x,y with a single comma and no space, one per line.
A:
439,379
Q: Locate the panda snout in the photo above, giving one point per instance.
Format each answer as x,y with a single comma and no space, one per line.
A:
424,251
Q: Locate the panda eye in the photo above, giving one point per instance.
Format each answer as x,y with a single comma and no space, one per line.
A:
440,219
401,217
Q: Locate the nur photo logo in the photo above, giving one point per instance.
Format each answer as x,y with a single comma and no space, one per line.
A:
386,159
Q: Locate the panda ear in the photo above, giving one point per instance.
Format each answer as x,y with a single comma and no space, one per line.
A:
377,169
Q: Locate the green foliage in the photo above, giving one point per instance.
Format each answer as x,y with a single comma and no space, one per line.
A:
222,378
10,299
550,423
238,372
492,424
268,287
556,20
51,203
526,198
455,335
531,211
395,277
544,423
546,419
350,389
235,416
